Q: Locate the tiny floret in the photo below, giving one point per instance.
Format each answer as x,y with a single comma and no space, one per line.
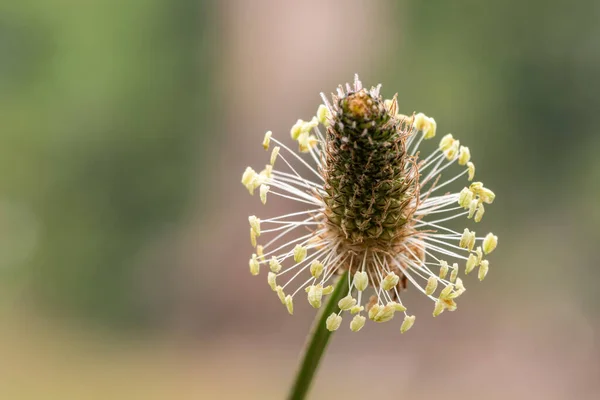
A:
489,243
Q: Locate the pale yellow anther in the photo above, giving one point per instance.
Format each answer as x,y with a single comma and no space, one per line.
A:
254,265
327,290
379,313
397,306
450,305
465,197
297,129
280,294
489,243
260,252
271,278
274,265
390,281
484,267
266,173
464,155
254,224
446,142
471,169
357,323
431,285
479,253
454,273
347,303
439,308
289,304
264,189
316,268
443,269
459,287
303,142
430,129
467,240
446,292
479,213
356,309
452,152
274,154
374,310
420,121
408,322
473,208
323,115
299,253
361,280
252,237
249,179
476,187
471,263
267,140
487,196
310,125
333,322
315,294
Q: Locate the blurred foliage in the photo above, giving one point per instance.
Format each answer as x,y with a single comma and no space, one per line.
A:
103,107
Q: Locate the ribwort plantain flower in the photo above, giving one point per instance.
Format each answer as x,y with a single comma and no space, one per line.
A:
374,207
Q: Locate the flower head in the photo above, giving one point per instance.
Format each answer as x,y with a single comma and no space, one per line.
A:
373,207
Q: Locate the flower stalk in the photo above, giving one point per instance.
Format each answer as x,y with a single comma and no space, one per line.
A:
317,342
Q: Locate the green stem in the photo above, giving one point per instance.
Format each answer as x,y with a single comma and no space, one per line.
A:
317,342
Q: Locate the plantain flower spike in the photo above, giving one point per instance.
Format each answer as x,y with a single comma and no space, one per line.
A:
373,200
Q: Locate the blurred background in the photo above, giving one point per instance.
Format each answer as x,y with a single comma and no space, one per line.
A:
126,125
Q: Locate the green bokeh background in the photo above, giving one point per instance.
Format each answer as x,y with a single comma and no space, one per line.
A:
125,125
